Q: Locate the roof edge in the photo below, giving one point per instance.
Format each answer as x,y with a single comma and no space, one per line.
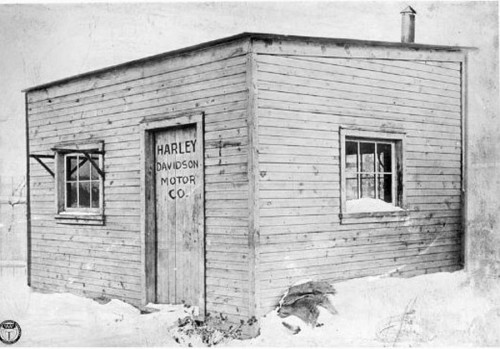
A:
172,53
251,35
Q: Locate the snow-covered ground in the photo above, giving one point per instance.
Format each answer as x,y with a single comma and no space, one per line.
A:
443,309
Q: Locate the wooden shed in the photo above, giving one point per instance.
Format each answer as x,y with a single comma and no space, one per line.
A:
220,174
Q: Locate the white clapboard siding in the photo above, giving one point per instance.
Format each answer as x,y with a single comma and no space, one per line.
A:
303,101
106,260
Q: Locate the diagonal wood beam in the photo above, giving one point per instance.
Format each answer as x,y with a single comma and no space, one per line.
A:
96,167
39,157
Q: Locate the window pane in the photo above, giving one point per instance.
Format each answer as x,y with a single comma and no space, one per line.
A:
384,157
71,195
351,188
367,153
95,194
71,168
84,194
84,169
93,172
351,156
385,187
368,186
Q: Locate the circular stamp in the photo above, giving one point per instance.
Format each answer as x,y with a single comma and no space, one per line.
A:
10,332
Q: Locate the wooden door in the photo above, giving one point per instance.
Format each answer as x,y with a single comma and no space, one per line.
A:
179,215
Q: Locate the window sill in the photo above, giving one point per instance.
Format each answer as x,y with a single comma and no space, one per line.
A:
373,217
79,218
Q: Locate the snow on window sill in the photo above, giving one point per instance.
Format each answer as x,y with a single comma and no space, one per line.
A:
369,210
83,218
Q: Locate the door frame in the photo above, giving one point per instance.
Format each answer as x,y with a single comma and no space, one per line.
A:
148,128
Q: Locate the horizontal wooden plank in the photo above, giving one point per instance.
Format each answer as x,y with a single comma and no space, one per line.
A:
299,219
307,49
443,206
85,245
226,204
344,116
141,101
346,234
226,212
113,253
283,140
297,133
272,294
433,199
452,69
397,262
356,243
227,221
230,195
415,218
234,292
273,168
444,65
297,150
225,265
347,74
222,282
217,308
228,108
291,202
346,79
227,256
317,104
43,227
306,181
299,159
225,169
229,230
433,185
228,186
306,89
48,282
385,67
100,262
111,222
95,239
227,100
227,274
149,68
299,211
166,80
229,247
228,298
432,192
342,254
274,280
85,280
96,277
416,70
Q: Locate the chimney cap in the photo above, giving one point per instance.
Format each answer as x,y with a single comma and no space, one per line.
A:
409,10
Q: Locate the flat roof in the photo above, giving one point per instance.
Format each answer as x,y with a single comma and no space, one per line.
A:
259,36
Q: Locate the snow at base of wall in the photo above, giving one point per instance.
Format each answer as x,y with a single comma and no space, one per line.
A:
441,309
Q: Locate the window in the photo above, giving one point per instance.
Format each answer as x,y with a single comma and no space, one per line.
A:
82,183
79,183
371,174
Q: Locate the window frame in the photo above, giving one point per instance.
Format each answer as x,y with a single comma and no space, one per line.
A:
398,141
78,215
65,196
376,173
